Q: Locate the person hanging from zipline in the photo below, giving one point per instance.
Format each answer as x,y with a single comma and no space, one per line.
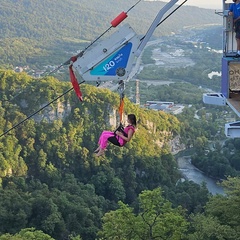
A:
119,137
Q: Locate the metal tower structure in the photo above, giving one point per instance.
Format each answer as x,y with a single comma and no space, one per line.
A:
137,92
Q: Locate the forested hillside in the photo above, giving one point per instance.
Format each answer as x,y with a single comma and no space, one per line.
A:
56,152
53,187
47,32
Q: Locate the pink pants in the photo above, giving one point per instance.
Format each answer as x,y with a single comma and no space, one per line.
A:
103,140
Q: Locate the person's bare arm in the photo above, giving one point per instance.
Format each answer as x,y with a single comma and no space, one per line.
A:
128,138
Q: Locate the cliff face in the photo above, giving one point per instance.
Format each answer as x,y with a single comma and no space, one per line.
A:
100,107
176,145
113,117
50,113
63,109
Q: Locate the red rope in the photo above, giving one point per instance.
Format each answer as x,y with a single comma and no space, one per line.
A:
75,83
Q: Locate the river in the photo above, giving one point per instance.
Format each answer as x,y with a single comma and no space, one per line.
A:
190,172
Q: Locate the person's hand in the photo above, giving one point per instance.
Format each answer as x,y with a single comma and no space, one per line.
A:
230,13
119,133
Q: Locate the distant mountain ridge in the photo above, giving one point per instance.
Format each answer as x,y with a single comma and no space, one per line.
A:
41,27
82,19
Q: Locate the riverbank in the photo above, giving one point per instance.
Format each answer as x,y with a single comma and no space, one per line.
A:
191,173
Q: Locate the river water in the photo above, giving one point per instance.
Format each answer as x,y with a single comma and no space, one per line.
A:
190,172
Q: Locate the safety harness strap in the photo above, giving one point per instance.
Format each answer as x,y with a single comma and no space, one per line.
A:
121,88
120,109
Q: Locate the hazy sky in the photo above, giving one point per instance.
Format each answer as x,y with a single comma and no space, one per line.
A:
215,4
212,4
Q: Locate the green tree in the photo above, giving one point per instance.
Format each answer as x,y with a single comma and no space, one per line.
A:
155,219
208,228
221,219
14,210
27,234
